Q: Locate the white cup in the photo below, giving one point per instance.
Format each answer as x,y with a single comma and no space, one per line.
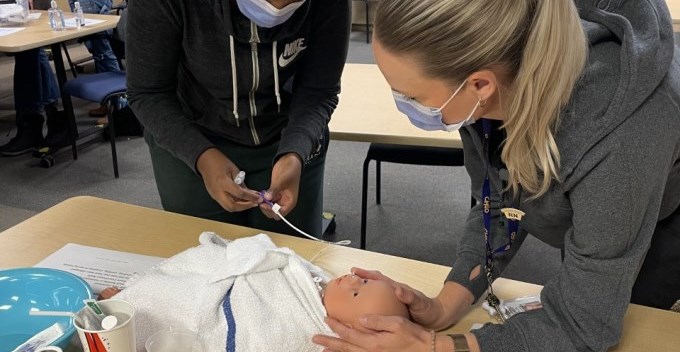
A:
121,338
173,340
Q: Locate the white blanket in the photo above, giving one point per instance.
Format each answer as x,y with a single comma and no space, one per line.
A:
243,295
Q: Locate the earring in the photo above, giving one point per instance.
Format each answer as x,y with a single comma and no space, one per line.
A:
482,103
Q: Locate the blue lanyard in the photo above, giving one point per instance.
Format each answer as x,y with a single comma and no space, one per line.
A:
513,225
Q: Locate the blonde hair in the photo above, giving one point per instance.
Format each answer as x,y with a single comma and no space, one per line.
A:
540,43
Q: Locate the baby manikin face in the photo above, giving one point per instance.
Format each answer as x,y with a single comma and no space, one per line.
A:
349,297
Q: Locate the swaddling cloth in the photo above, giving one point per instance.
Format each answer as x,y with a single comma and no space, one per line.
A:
243,295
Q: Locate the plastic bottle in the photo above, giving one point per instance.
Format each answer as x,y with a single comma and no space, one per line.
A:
56,17
25,6
80,18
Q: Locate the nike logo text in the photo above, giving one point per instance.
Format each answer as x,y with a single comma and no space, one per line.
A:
291,51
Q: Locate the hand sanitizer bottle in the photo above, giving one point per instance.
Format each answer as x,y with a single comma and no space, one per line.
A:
80,18
25,6
56,17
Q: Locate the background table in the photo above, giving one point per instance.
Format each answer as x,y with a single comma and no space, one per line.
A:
117,226
38,33
367,113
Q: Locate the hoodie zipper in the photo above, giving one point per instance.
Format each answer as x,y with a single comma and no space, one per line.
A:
254,39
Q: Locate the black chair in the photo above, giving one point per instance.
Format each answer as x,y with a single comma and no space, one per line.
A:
368,22
402,154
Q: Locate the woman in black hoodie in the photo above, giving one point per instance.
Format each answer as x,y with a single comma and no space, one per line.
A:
241,85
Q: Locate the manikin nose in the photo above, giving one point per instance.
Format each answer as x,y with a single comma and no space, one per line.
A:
354,280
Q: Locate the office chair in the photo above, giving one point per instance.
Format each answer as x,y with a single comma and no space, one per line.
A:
402,154
105,88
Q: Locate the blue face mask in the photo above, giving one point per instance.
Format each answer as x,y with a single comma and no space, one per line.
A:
264,14
427,118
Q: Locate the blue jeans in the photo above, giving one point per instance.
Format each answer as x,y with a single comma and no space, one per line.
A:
34,82
98,44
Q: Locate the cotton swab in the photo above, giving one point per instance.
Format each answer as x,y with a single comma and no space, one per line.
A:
50,313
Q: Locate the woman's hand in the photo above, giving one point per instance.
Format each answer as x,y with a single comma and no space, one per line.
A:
428,312
285,185
218,174
391,334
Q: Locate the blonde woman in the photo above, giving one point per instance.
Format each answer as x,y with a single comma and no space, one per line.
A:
569,115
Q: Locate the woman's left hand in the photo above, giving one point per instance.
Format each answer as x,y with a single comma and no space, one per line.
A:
389,334
285,185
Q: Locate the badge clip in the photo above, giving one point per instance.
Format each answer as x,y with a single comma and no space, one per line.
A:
513,214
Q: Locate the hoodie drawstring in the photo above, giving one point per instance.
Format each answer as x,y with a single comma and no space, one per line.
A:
276,78
234,81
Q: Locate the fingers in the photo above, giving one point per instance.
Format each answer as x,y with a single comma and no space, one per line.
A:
268,212
286,200
405,296
334,344
351,337
370,274
234,198
241,193
382,323
226,201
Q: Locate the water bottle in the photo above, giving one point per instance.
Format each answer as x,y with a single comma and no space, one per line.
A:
25,6
80,18
56,16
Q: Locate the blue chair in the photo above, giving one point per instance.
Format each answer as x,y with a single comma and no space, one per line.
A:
105,88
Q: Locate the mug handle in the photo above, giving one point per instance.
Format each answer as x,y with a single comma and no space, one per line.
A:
49,349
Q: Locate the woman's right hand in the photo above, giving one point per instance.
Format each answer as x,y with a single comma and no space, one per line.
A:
218,174
426,311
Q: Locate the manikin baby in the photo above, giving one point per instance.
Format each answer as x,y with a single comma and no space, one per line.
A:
346,299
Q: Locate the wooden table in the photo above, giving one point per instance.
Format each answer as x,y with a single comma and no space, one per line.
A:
38,34
107,224
367,113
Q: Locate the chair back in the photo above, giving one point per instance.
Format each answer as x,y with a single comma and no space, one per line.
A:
117,39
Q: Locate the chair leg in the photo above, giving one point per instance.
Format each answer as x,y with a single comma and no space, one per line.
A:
70,62
364,205
112,136
377,182
368,35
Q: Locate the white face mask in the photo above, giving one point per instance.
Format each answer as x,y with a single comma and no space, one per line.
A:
264,14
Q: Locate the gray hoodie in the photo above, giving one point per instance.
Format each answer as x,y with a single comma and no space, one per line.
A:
620,171
199,69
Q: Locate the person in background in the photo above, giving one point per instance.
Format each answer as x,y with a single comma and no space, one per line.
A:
569,113
223,86
36,95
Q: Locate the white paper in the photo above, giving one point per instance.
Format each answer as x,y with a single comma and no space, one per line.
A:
34,16
7,31
71,22
101,268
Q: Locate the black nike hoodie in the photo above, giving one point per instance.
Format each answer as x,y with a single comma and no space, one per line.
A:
190,61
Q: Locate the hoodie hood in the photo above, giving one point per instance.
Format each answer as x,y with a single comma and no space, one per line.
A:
631,50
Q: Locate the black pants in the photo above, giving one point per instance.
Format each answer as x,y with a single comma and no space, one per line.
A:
658,283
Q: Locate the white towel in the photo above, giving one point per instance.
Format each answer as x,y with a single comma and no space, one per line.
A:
265,294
